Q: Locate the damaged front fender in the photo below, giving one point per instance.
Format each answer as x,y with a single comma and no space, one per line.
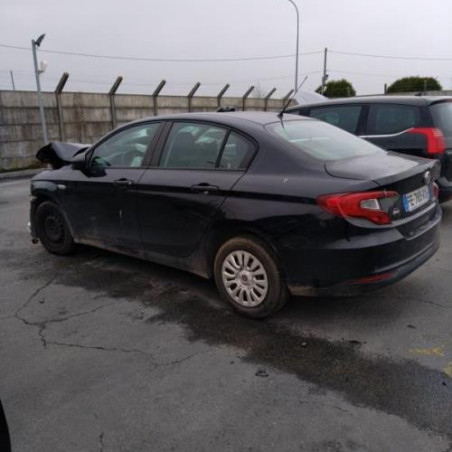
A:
59,154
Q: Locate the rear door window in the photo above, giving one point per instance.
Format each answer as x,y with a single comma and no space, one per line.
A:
387,119
442,115
192,145
343,116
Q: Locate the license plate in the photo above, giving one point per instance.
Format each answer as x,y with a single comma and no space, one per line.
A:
416,198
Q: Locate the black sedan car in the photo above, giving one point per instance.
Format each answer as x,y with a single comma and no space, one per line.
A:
268,205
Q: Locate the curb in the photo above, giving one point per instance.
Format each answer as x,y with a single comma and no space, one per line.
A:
20,174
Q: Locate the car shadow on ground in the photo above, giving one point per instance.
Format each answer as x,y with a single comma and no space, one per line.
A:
173,290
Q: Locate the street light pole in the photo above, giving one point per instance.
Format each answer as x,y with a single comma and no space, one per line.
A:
34,45
297,44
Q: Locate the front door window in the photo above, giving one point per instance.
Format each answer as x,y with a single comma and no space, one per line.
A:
125,149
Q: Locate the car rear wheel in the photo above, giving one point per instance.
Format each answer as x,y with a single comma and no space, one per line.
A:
52,229
248,277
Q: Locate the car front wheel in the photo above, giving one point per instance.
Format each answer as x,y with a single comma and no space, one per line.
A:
52,229
248,277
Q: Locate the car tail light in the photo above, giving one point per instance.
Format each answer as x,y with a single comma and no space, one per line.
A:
372,205
435,139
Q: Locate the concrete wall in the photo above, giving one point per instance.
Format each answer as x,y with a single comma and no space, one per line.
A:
86,117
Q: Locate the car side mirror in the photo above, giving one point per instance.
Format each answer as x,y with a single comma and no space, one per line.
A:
80,161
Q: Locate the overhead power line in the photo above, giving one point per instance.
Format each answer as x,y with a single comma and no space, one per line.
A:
340,71
216,60
392,57
162,60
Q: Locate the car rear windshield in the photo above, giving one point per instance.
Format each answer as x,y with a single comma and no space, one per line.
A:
321,140
442,115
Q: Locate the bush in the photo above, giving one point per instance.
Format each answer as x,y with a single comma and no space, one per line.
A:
338,88
410,84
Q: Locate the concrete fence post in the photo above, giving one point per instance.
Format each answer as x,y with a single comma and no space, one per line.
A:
191,94
268,97
155,95
221,94
58,91
286,98
244,97
112,93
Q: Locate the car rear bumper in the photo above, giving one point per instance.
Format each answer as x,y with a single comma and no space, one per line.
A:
372,282
363,263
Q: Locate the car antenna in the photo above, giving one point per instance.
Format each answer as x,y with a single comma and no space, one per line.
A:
280,114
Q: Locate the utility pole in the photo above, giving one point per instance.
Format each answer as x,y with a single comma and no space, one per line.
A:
12,80
35,44
325,75
297,44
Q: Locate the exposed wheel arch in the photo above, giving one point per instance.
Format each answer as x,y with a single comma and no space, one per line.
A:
40,198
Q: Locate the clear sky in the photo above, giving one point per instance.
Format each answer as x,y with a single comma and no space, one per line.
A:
225,29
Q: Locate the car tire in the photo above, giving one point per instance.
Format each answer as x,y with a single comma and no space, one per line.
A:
52,229
249,278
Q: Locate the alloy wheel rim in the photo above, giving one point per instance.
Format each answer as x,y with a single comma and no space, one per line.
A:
244,278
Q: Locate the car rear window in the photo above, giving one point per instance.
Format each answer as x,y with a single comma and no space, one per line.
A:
442,115
387,119
321,140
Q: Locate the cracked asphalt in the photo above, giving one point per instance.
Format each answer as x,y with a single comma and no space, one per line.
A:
101,352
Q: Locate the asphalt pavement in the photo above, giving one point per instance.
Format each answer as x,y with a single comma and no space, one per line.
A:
101,352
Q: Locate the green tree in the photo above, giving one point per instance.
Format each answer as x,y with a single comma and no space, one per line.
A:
410,84
338,88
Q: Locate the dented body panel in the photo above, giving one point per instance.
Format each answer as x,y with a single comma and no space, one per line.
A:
59,154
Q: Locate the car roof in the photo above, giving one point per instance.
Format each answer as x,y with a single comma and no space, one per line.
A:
233,118
389,99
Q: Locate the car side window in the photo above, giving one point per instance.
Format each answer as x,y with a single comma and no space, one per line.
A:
124,149
386,119
192,145
237,153
344,116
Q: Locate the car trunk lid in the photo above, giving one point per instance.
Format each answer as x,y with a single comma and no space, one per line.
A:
411,177
383,168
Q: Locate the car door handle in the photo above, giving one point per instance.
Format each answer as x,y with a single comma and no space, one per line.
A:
122,183
204,188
